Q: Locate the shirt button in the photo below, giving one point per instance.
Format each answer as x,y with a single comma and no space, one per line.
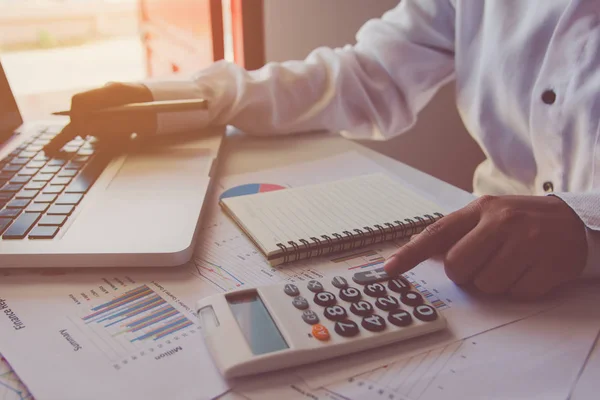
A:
549,97
548,187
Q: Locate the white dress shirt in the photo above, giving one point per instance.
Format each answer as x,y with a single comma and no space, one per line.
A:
527,74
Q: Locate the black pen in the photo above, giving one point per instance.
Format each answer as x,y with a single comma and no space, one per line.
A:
151,106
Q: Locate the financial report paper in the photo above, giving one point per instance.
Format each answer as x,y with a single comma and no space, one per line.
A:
125,326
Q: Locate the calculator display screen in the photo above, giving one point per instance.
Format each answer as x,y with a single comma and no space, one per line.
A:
256,323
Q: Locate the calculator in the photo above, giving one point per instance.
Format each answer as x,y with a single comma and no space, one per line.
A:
282,325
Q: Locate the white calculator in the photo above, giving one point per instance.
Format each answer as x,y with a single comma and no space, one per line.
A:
276,326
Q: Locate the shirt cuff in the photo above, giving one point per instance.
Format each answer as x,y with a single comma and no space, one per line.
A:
587,207
592,265
178,122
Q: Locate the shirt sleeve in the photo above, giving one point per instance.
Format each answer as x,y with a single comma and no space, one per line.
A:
587,207
373,89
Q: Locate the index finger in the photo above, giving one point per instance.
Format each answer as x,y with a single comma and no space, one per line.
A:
67,134
436,239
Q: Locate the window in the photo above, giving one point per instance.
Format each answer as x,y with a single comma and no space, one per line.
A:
51,49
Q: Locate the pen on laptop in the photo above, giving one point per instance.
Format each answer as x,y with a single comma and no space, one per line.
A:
154,107
151,106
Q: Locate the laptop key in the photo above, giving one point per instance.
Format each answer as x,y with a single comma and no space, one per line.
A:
4,176
60,210
36,164
37,207
74,165
53,189
45,198
19,203
88,175
19,161
50,169
26,194
43,232
27,154
35,185
42,177
12,168
20,179
53,220
4,223
21,226
41,157
10,212
60,181
11,187
57,162
28,171
5,196
69,199
67,173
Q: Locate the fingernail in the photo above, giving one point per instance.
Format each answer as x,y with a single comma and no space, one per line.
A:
388,262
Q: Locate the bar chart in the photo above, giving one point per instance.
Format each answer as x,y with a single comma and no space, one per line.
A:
133,322
11,388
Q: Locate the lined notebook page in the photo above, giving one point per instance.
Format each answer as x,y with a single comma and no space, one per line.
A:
323,209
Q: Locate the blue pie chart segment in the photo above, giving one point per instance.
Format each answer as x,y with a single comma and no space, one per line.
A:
250,188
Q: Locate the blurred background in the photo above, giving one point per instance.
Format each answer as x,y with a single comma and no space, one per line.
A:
51,49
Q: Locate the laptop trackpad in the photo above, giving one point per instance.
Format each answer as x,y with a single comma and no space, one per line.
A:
157,171
153,202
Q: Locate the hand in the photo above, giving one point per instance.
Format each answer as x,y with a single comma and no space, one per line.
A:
113,128
522,245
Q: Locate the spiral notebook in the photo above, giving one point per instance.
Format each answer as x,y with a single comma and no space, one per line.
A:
311,221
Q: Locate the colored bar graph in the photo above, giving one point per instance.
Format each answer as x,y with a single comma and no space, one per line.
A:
369,264
141,313
432,298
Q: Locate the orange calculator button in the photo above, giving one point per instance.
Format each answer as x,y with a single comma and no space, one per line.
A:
320,332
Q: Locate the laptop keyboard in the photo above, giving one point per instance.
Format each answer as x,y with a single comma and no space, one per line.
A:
38,193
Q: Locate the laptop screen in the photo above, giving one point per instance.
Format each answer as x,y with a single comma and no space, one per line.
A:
10,118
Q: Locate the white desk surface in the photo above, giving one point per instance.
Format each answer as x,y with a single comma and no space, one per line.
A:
243,153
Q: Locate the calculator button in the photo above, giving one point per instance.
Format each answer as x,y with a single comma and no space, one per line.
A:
387,303
310,317
339,282
315,286
300,303
335,313
320,332
411,298
376,275
325,299
373,323
291,290
399,285
425,312
350,294
375,290
361,308
346,328
400,318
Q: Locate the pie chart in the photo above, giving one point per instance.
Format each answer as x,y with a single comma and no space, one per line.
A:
250,188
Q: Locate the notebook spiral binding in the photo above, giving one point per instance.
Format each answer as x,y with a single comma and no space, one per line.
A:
303,249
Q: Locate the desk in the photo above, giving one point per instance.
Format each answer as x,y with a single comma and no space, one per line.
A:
243,153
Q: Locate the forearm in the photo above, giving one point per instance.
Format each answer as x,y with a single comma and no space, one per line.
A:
371,90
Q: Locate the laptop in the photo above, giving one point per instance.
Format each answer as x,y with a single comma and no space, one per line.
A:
95,207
